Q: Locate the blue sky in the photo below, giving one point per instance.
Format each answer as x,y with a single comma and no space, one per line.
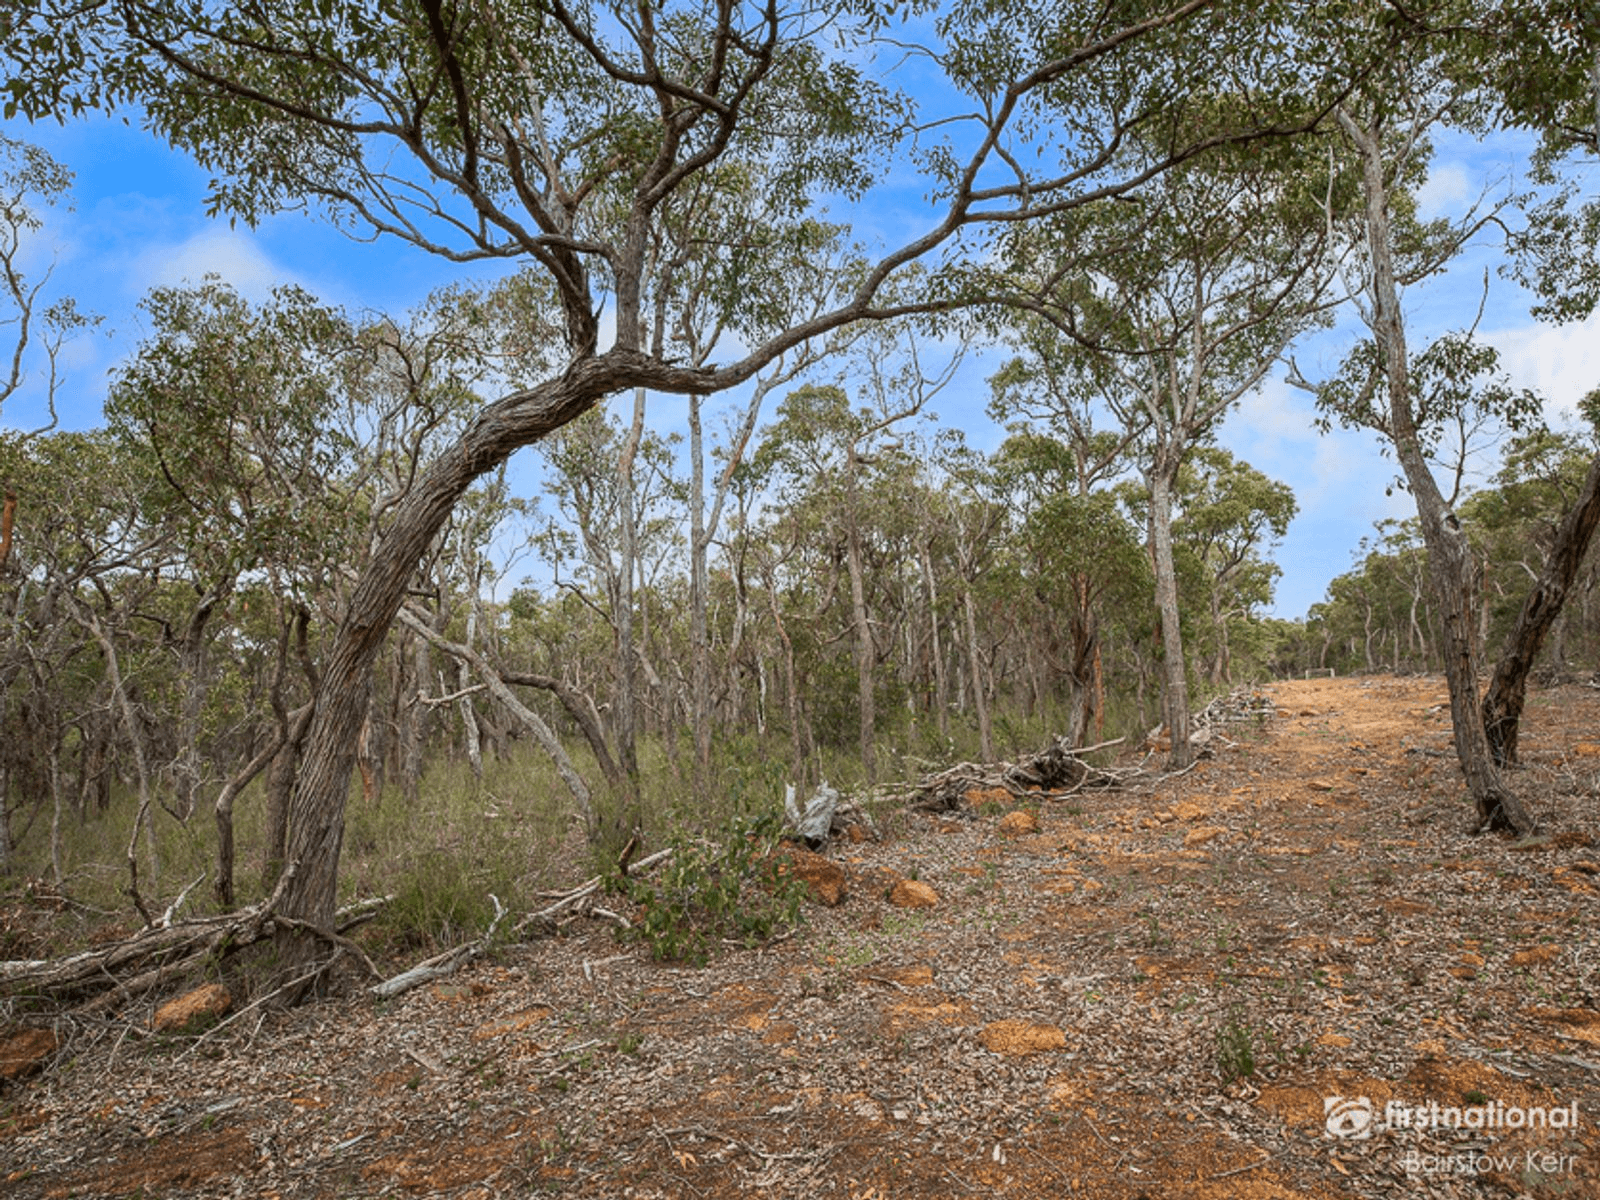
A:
139,222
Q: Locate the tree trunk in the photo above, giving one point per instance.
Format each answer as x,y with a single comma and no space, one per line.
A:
1502,705
980,700
1085,666
418,718
791,686
316,833
1450,560
469,718
535,724
941,689
625,719
699,601
582,711
1174,678
223,887
865,649
186,769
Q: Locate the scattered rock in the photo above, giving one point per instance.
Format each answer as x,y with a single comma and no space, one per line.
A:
205,1003
824,879
1188,810
1021,1037
1535,954
912,893
24,1051
1019,823
1201,834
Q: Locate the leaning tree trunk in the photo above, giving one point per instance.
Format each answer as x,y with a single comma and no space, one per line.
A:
317,812
1451,566
1502,705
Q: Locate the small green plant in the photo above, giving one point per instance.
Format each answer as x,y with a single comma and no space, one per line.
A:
896,924
729,887
1475,1098
1236,1052
1155,936
629,1043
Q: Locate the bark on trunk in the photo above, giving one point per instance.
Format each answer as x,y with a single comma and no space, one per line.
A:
625,720
865,650
1502,705
1174,678
699,600
1451,565
316,834
469,718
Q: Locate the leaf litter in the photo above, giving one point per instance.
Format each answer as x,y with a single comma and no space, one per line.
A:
1166,990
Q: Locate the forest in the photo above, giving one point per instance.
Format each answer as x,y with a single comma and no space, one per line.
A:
286,628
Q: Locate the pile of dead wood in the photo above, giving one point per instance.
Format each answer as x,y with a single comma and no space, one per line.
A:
1240,705
1057,771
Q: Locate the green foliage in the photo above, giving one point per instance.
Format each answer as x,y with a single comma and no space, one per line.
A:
1236,1051
725,887
442,901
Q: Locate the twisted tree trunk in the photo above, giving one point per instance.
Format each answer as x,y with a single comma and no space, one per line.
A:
316,834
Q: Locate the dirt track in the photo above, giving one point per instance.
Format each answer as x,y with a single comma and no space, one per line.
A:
1155,995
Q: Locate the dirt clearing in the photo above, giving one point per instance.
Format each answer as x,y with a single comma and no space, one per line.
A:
1289,974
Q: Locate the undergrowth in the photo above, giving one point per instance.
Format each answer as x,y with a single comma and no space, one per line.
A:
726,888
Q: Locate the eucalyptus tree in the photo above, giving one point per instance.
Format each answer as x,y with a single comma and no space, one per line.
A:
824,456
1423,405
1059,477
1232,514
1174,306
32,332
1539,60
1079,558
558,135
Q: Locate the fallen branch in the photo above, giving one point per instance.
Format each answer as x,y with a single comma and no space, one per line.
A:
443,964
1055,772
152,957
545,918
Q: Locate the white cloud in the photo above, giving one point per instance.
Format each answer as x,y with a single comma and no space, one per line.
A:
1557,360
232,254
1448,191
